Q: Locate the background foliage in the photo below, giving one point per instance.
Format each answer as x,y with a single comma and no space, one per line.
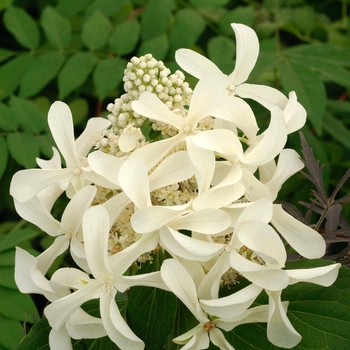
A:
76,51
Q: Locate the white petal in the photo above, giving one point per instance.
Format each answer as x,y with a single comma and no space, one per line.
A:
324,276
232,305
96,231
260,210
105,165
133,179
186,247
181,284
207,221
280,331
265,95
194,63
152,218
150,106
218,339
175,168
86,140
116,205
306,241
60,339
206,98
294,114
152,279
271,142
61,125
272,279
239,113
25,184
53,163
117,329
254,188
247,52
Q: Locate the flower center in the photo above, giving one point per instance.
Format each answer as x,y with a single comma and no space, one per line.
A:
209,326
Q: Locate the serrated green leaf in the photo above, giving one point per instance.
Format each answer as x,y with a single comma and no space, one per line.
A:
10,332
18,306
3,155
155,18
22,26
12,239
23,148
12,72
337,129
95,31
56,27
40,73
68,8
241,14
309,89
157,46
28,115
124,37
75,72
107,7
187,28
216,46
208,4
107,75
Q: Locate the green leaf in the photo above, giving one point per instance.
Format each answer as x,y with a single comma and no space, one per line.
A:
18,306
12,72
3,155
40,73
7,258
124,37
107,75
337,129
187,28
12,239
305,19
80,110
5,54
157,46
266,63
56,27
95,31
23,148
5,3
75,72
151,312
241,14
69,8
309,89
208,4
107,7
7,120
22,26
28,115
216,46
37,338
11,332
7,277
155,18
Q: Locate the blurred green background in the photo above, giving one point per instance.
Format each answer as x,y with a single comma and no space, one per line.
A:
76,51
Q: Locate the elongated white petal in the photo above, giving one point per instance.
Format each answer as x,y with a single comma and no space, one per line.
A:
69,277
60,339
206,98
268,278
75,209
25,184
194,63
175,168
93,128
265,95
271,143
195,269
105,165
96,230
59,311
294,114
324,276
180,283
117,329
150,106
247,44
306,241
207,221
152,279
61,125
254,188
35,212
232,305
288,164
218,339
53,163
260,210
186,247
263,239
239,113
116,205
152,218
280,331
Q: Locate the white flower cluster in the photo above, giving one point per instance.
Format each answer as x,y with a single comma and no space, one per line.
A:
216,178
